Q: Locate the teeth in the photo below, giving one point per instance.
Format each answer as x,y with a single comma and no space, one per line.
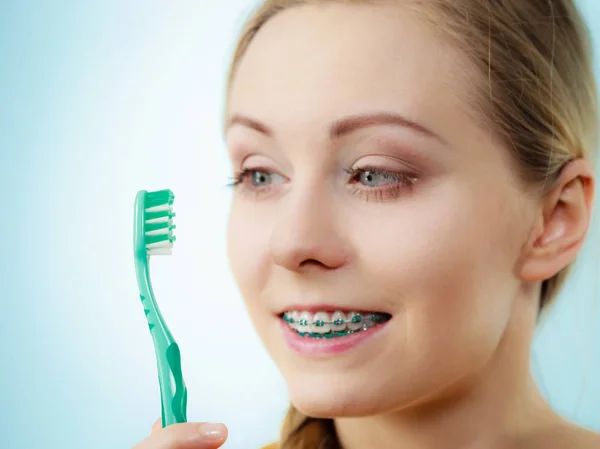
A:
368,319
338,320
325,323
296,318
304,322
355,319
320,323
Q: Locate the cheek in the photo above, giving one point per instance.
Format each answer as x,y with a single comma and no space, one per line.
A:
439,261
440,237
247,244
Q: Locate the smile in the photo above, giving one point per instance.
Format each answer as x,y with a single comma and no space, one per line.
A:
335,325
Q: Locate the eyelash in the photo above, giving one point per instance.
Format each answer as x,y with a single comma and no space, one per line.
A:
386,192
389,191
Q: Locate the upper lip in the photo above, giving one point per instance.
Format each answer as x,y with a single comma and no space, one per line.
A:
327,308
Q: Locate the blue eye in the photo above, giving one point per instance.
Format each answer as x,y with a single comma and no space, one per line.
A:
262,178
372,178
379,184
256,178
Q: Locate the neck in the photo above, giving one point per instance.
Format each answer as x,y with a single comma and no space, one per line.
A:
497,407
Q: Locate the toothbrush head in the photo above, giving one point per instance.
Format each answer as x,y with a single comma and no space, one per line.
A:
153,221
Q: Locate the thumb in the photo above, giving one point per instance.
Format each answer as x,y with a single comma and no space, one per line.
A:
156,426
187,436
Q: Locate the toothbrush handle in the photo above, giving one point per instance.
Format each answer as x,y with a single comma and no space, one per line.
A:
173,391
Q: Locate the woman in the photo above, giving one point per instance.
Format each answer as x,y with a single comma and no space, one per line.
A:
418,173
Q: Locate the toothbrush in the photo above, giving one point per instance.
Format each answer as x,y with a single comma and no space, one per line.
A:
153,236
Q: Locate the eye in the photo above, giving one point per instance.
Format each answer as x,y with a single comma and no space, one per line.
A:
372,178
379,184
256,179
260,178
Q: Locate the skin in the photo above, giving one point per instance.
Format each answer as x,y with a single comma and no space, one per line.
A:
457,257
185,436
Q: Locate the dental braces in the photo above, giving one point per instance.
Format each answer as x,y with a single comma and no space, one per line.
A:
366,325
356,319
332,334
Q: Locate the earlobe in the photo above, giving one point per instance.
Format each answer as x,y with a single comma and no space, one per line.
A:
562,225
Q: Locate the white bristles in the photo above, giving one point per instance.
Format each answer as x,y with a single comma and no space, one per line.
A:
160,208
160,252
158,231
157,220
158,224
158,245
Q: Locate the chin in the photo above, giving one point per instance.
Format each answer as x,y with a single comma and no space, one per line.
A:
338,398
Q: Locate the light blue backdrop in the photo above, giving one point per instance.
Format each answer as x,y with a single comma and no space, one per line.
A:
100,99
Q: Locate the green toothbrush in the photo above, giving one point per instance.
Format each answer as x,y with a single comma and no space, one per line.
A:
153,235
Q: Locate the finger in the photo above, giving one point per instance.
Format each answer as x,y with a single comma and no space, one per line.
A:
187,436
156,426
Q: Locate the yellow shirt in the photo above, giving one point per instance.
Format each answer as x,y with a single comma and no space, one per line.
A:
271,446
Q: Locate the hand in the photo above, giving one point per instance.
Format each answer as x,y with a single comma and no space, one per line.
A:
185,436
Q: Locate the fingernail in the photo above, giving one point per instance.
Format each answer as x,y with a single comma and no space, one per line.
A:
212,431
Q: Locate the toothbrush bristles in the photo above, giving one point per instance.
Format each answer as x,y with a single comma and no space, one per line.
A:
158,223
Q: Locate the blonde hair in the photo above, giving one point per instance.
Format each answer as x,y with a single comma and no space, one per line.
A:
537,92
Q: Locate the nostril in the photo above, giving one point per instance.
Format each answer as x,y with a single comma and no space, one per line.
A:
312,262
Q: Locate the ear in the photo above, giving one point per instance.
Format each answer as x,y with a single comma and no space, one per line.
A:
562,224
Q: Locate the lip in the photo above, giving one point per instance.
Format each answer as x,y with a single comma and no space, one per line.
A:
327,347
325,308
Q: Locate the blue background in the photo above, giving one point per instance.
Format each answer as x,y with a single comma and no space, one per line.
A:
98,100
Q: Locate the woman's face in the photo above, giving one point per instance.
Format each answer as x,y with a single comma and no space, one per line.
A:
368,187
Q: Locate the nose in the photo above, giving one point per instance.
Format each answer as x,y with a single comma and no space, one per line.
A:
306,236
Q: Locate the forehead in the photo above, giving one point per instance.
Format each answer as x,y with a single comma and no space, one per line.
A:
313,63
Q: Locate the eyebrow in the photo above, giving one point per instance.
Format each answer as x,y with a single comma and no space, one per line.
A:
345,125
